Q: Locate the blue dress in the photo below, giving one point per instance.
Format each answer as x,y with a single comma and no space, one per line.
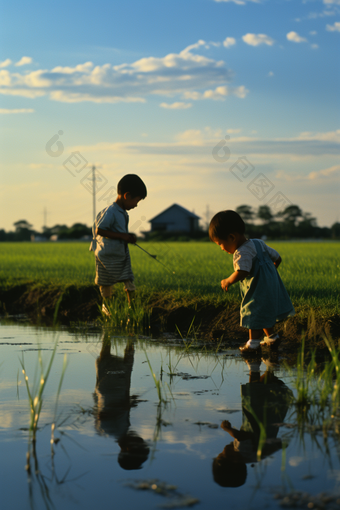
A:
265,299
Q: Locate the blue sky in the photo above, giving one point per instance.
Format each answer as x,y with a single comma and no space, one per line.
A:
152,87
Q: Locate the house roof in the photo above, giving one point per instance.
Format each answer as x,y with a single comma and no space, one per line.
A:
178,207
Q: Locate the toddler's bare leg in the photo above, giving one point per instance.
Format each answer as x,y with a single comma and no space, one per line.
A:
255,334
268,331
253,344
270,340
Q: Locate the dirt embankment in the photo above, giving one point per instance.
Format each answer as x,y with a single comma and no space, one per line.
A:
210,322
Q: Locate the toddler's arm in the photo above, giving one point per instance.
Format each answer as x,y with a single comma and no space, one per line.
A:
277,262
128,238
240,435
237,276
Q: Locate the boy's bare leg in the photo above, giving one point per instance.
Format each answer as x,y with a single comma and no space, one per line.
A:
106,292
130,289
131,295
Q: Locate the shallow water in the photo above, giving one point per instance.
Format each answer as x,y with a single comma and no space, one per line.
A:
114,436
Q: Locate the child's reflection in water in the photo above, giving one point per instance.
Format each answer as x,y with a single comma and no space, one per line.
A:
265,399
112,396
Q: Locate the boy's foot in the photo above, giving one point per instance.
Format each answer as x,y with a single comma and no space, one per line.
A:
253,364
251,348
105,311
272,342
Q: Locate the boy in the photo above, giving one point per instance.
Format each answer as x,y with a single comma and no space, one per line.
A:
111,237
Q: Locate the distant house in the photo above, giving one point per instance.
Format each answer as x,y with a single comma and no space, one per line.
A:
38,239
175,219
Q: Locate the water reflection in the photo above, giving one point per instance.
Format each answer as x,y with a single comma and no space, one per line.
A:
265,402
113,403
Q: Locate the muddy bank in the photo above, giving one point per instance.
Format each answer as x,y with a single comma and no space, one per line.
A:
207,320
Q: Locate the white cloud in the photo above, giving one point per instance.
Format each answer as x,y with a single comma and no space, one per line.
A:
5,78
257,39
229,41
23,61
218,94
323,14
176,106
6,62
295,37
333,28
314,46
194,46
7,111
313,32
329,136
331,2
270,73
76,97
240,2
327,172
200,142
332,172
172,75
233,131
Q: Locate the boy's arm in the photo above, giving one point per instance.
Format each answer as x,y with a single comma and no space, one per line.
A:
128,238
237,276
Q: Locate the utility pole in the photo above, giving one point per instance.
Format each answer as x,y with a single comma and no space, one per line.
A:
45,217
207,216
94,192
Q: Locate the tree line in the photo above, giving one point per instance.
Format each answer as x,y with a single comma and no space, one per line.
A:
23,231
291,223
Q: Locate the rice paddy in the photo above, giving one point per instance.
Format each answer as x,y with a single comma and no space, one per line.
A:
310,270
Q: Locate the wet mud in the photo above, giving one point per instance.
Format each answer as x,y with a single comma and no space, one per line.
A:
209,322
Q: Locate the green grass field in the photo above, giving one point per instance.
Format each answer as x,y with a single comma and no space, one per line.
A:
310,271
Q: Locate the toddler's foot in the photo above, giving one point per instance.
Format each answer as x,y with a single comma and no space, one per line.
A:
271,360
251,348
272,341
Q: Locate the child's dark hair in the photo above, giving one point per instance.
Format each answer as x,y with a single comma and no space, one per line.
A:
228,473
225,223
132,184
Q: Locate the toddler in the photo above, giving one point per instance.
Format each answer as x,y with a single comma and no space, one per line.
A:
264,297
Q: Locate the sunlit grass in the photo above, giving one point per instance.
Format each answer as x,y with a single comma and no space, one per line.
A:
317,389
310,271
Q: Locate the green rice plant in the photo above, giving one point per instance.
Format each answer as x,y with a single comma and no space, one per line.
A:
53,425
158,383
332,374
123,317
303,378
56,309
172,368
35,394
317,399
160,387
199,269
